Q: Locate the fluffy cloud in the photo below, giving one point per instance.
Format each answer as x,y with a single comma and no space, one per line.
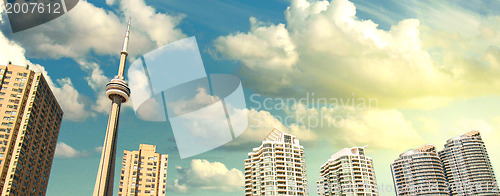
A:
379,128
159,28
63,150
89,28
260,123
67,96
385,129
200,100
267,46
97,81
205,175
325,48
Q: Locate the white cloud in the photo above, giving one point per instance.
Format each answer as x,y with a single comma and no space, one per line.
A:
158,27
89,28
69,99
325,48
179,188
205,123
65,151
98,149
110,2
260,123
379,128
97,81
267,46
67,96
200,100
205,175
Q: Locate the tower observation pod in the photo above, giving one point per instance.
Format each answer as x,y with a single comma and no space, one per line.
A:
118,92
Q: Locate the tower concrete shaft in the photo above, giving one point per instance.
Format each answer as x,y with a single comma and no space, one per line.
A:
118,92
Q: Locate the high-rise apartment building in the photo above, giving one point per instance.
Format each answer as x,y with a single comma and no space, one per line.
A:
30,120
276,167
144,172
467,166
419,172
348,172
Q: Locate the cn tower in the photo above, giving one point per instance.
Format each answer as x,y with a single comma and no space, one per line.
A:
117,90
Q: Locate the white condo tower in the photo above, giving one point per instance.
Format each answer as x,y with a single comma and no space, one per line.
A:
467,166
348,172
276,167
419,172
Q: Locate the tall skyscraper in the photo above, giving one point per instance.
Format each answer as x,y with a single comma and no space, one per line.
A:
348,172
276,167
419,172
118,92
30,121
144,172
467,166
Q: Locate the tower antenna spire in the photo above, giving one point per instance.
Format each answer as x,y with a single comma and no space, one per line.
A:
125,41
118,92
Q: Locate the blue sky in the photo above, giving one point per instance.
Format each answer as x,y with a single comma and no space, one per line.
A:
432,66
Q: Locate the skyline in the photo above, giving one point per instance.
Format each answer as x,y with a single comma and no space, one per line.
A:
431,66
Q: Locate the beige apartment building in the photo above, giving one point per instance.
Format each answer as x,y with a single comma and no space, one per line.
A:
419,172
349,172
144,172
276,167
30,120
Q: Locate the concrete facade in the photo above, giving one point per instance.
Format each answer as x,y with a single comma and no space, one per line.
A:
144,172
30,121
419,172
276,167
348,172
467,166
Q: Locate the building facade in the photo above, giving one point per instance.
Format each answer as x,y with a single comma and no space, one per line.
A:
30,120
419,172
276,167
348,172
144,172
467,166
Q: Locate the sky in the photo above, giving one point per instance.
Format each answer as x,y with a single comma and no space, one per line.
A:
393,75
